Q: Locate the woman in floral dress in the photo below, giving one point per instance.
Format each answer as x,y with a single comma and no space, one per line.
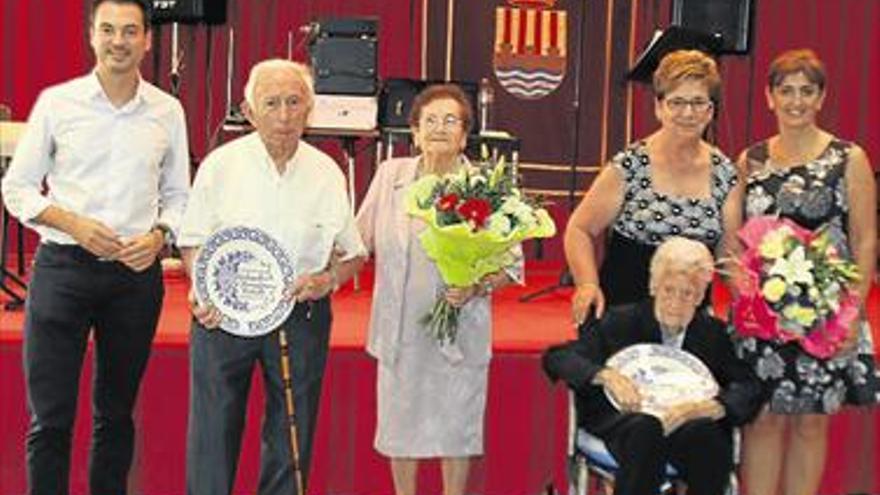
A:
670,183
807,175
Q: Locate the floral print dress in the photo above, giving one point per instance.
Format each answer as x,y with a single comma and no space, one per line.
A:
811,194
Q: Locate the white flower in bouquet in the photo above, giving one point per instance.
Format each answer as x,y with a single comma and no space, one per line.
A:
520,210
477,179
795,268
499,223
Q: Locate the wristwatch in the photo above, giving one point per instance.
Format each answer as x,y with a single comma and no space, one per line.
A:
167,234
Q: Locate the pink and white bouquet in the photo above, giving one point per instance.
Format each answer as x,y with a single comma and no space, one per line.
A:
796,286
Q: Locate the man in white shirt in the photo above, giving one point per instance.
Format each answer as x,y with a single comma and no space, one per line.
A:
112,151
272,180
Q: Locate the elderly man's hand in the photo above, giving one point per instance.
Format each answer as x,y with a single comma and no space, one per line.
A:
207,315
621,388
312,287
586,297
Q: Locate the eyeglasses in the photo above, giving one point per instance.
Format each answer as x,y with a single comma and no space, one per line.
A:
698,105
790,92
684,294
447,121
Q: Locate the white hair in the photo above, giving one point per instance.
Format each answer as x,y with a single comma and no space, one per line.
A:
684,256
301,70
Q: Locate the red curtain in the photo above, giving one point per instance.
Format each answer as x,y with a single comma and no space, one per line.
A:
46,41
844,35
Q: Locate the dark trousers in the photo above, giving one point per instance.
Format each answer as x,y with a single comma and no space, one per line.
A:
701,450
70,293
221,367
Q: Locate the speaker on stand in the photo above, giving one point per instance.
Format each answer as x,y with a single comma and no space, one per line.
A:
728,20
176,12
189,11
343,55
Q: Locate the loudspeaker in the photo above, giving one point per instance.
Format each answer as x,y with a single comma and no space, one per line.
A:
189,11
395,101
731,20
343,55
397,95
351,27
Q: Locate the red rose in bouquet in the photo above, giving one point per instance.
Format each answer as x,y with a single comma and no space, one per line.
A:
475,210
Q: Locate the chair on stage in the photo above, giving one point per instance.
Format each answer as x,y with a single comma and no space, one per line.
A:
10,284
591,467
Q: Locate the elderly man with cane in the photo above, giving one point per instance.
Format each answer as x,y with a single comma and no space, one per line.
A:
272,180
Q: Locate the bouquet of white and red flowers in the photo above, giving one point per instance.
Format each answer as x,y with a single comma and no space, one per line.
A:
474,216
797,286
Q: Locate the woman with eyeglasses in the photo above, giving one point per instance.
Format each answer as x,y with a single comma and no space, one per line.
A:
431,398
670,183
814,178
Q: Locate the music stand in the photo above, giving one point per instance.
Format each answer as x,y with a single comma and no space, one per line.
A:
666,41
9,283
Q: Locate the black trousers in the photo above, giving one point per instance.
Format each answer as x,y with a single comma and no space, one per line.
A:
221,368
701,450
70,293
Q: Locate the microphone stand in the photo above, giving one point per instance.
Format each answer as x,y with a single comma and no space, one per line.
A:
565,277
174,76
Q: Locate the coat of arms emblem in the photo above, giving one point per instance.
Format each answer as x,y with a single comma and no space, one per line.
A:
530,47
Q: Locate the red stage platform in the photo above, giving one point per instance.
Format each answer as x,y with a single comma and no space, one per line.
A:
525,420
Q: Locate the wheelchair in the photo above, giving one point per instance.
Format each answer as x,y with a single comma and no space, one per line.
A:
591,467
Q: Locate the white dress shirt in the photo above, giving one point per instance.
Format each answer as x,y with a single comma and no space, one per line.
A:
306,208
126,167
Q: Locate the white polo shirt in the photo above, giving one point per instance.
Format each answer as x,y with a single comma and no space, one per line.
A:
306,208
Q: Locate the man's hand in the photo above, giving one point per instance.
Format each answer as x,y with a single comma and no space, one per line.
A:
95,237
621,388
207,315
312,287
586,297
140,252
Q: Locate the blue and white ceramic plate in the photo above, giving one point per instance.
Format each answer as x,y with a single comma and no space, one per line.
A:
243,271
664,376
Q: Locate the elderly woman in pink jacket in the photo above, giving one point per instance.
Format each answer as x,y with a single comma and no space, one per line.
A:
431,399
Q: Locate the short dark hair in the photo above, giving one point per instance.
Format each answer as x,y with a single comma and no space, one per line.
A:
791,62
146,7
443,92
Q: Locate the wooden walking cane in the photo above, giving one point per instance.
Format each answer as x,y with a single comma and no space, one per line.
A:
290,409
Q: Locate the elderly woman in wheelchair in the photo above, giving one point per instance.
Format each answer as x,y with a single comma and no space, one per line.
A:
694,436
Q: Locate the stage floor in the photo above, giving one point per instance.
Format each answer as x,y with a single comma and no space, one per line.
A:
547,321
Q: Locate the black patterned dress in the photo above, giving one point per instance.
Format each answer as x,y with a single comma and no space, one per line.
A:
811,194
647,218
